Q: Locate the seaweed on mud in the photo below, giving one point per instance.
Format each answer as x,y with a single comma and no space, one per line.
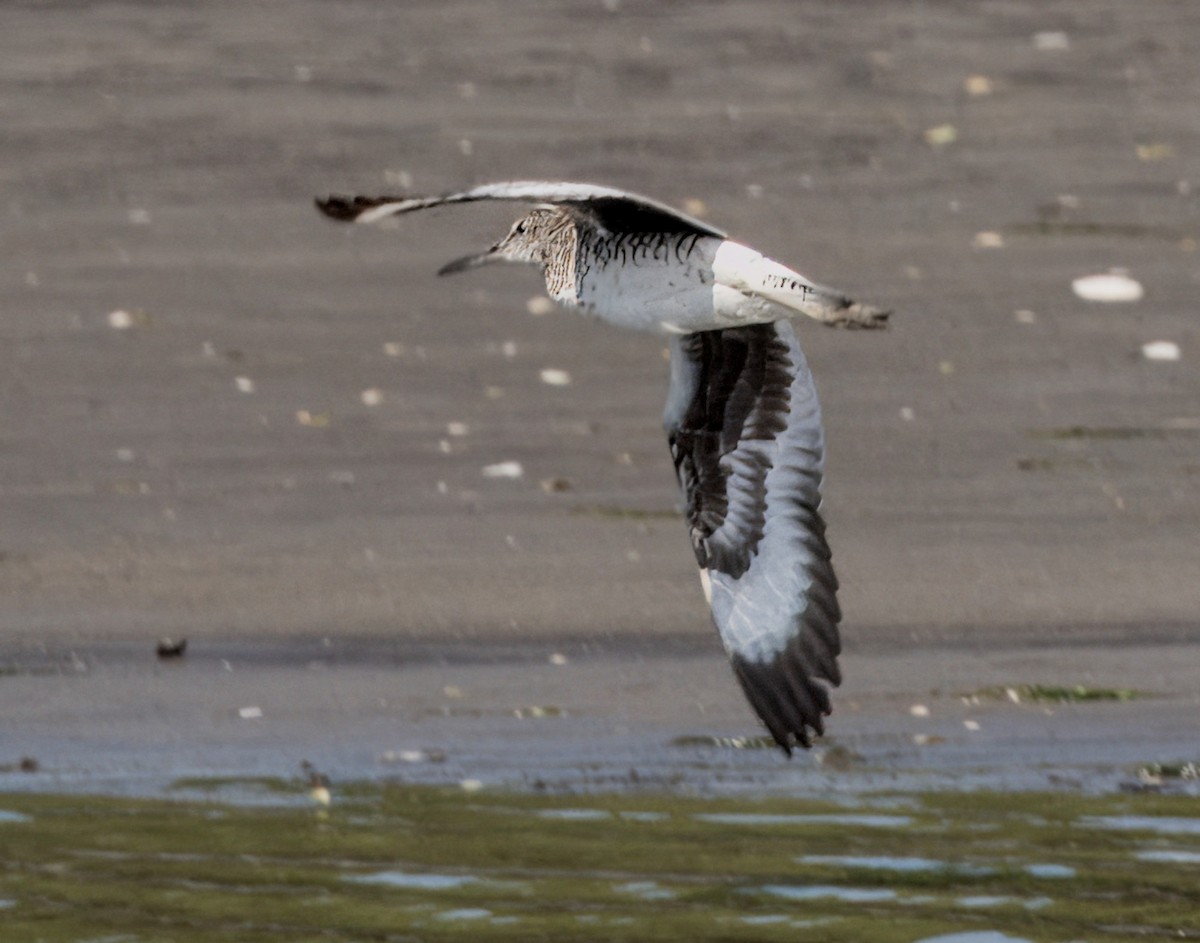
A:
1054,694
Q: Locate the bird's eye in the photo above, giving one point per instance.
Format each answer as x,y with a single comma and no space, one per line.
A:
519,229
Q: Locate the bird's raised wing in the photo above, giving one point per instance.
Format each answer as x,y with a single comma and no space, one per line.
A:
745,432
614,210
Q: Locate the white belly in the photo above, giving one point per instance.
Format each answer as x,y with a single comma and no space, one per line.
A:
670,294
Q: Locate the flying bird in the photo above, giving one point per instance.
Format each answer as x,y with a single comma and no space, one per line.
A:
742,418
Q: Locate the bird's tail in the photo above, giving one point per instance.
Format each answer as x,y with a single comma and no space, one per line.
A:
748,271
855,315
828,306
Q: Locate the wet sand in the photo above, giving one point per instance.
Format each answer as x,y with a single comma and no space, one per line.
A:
1010,498
586,716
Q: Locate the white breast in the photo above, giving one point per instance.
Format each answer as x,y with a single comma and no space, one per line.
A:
672,292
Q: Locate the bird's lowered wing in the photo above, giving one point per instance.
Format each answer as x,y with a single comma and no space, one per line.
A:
614,210
745,432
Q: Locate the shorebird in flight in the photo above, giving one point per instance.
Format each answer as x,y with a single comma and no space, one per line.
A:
742,417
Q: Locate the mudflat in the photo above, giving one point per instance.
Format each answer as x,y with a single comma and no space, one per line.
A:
228,420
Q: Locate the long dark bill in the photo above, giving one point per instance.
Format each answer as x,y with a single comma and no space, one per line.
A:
468,262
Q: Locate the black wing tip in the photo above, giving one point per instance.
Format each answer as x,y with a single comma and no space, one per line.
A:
787,697
344,209
347,209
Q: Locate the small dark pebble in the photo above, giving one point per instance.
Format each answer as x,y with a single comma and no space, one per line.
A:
169,648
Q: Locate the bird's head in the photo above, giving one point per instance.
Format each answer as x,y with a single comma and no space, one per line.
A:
532,239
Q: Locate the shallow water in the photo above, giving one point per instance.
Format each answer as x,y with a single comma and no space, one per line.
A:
860,895
975,936
576,815
1142,823
464,913
1050,870
434,864
420,882
1172,856
878,862
760,818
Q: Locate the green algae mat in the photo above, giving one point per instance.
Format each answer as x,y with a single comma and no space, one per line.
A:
250,861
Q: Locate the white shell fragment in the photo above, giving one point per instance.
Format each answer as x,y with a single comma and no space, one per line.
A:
120,320
941,135
919,710
372,396
399,178
250,713
539,306
1149,153
403,756
503,470
1051,41
320,794
244,384
316,420
1166,351
553,377
1113,287
988,240
978,85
